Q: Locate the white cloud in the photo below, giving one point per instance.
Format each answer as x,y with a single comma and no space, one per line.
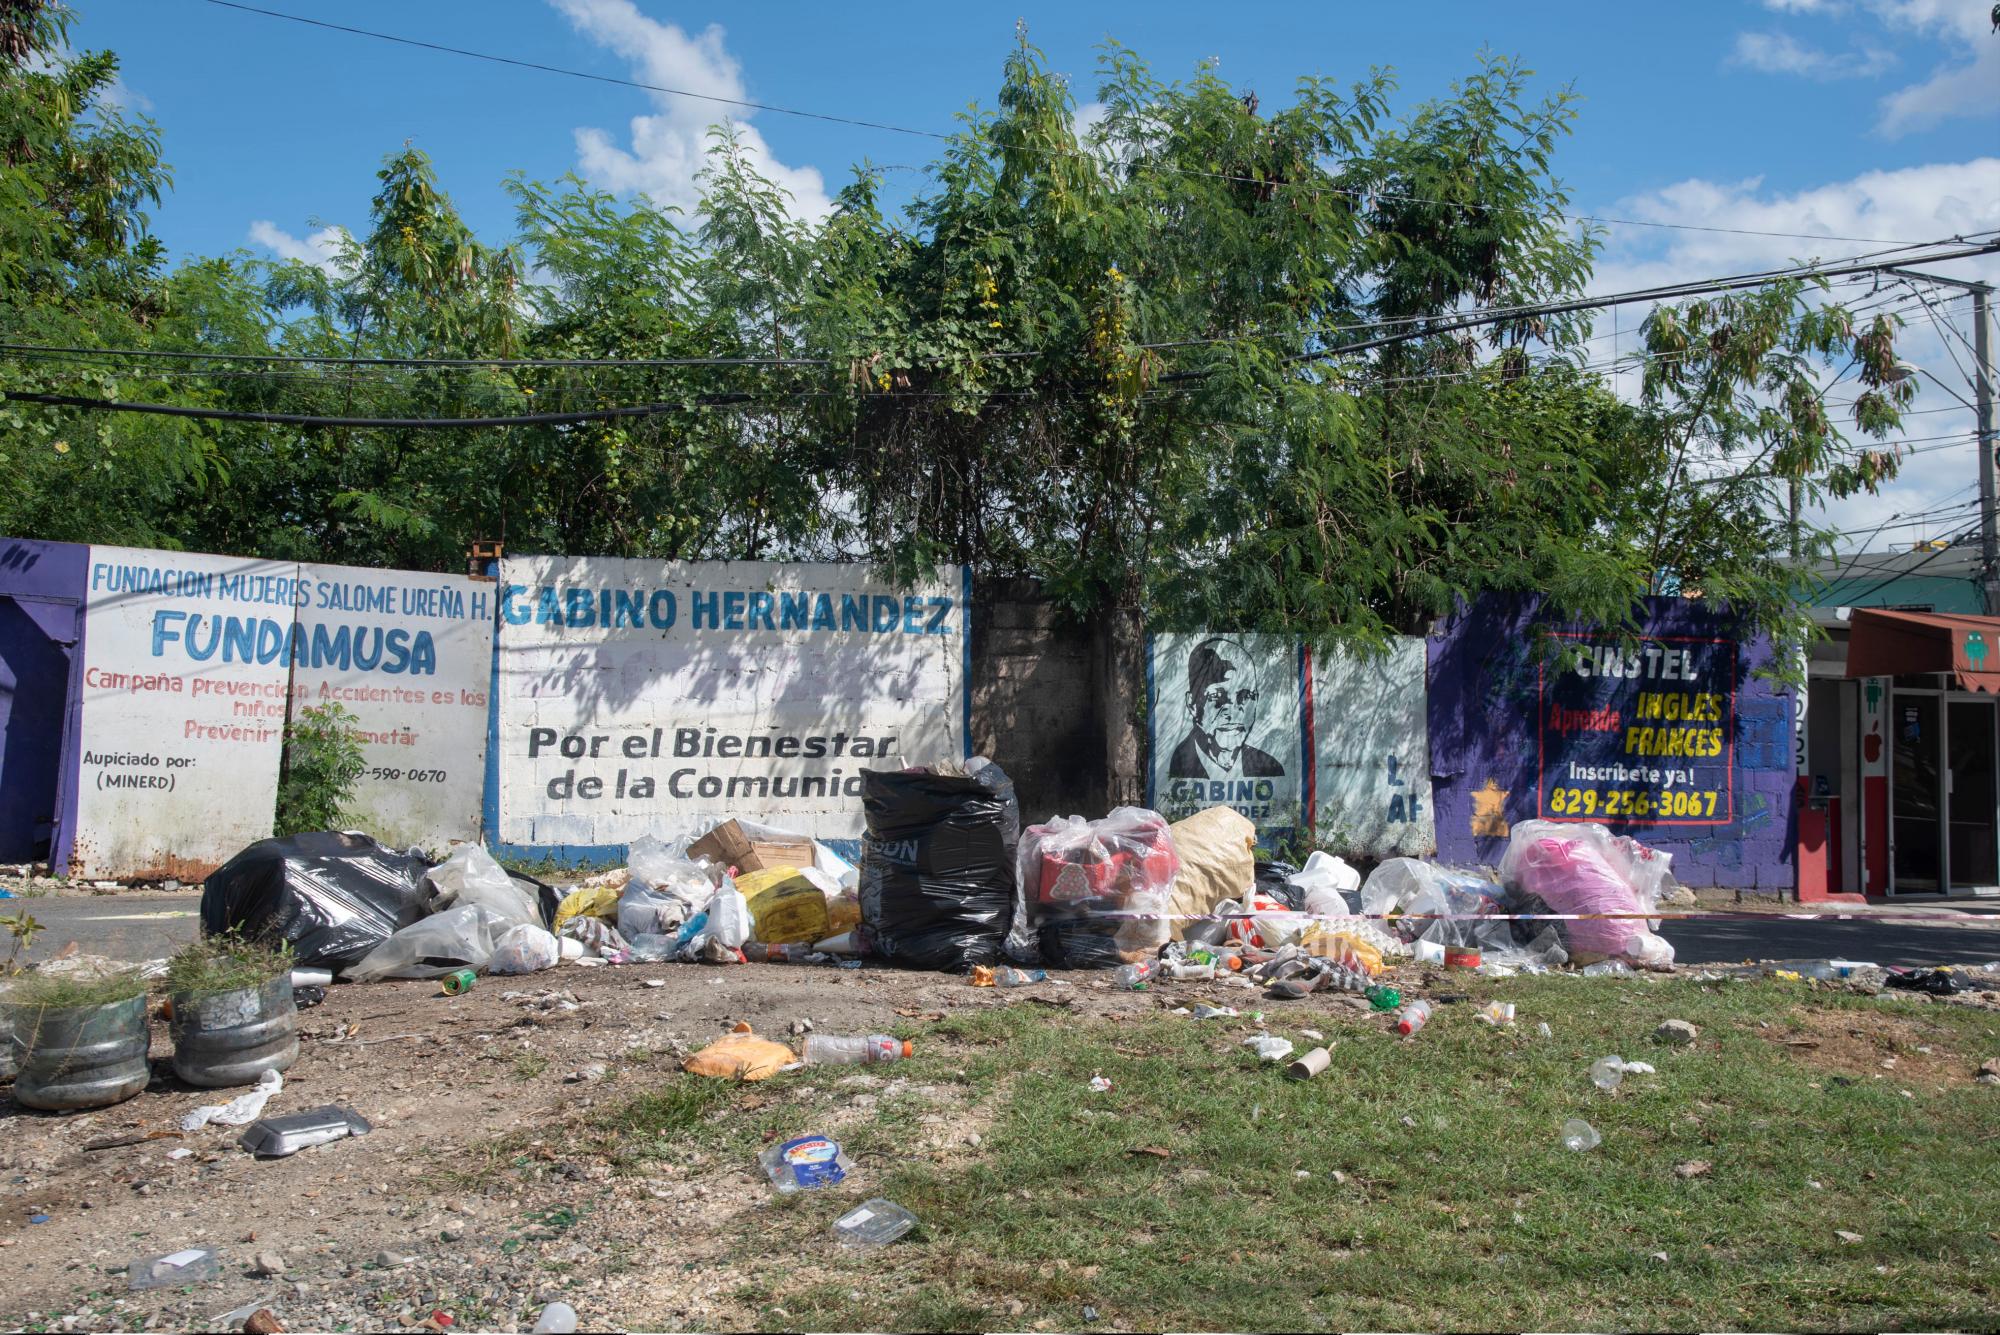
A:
122,96
1806,6
1933,201
1779,53
321,249
668,148
1965,88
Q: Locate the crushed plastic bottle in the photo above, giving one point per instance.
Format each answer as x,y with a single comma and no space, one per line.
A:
1383,998
1414,1017
1607,1072
1007,975
840,1050
805,1164
1135,977
1580,1135
873,1223
1608,969
1497,1013
1185,970
192,1266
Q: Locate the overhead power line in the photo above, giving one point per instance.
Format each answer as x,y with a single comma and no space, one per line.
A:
864,123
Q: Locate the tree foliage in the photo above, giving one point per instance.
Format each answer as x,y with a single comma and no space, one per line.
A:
1196,361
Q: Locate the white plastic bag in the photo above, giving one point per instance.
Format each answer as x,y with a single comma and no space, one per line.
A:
1327,881
645,911
458,938
239,1111
524,948
471,876
729,922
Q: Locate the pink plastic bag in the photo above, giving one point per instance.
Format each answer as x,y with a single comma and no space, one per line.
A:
1581,868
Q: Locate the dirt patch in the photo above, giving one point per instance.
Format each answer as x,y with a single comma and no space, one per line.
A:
1885,1046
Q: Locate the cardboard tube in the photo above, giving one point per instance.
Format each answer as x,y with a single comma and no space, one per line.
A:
1310,1065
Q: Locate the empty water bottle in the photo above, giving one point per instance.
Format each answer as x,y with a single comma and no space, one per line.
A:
1414,1017
840,1050
1009,976
1580,1135
1608,969
1136,976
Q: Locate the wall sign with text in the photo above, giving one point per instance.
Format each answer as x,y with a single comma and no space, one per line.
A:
1639,736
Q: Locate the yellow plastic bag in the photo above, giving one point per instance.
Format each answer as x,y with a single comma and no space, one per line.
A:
843,914
1346,947
786,907
588,901
739,1057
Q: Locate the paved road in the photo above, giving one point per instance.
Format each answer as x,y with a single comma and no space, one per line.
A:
125,927
1878,939
151,926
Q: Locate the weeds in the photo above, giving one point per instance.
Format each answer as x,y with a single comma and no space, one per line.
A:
226,963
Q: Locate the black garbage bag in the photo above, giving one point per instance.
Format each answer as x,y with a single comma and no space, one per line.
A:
333,896
937,865
1271,880
1078,942
1933,982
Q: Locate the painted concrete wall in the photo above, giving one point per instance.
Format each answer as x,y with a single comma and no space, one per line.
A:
1227,722
1372,793
1491,741
41,682
646,697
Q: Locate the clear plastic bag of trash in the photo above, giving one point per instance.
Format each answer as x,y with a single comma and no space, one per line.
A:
458,938
1417,889
596,936
644,910
524,948
1583,869
471,876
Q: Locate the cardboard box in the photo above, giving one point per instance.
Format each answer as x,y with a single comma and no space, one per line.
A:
728,845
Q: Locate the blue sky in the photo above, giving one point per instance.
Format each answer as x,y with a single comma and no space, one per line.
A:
1864,118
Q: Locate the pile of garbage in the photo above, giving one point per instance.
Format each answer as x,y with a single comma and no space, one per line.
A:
949,880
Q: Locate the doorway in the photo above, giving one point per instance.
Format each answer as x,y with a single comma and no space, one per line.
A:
37,637
1945,794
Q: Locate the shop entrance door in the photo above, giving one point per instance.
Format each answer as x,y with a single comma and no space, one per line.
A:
1945,803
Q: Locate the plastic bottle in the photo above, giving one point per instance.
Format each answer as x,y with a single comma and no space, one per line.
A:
1383,998
1136,976
840,1050
1414,1017
1608,969
1009,976
691,929
1189,969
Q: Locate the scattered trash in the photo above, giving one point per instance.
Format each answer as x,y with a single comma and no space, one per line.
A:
278,1137
1543,1029
1607,1072
1099,1085
1151,1152
805,1164
938,887
1313,1034
1933,982
312,978
556,1319
1206,1012
182,1153
305,998
588,1074
1580,1135
1677,1032
874,1223
457,981
334,897
839,1050
38,1219
741,1057
1135,977
981,976
1461,957
1640,1068
242,1109
1383,998
193,1266
1008,976
1608,969
263,1321
1269,1048
1497,1013
524,948
1849,1238
1414,1017
1310,1065
1693,1168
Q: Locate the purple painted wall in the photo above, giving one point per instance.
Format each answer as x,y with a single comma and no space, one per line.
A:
42,588
1485,707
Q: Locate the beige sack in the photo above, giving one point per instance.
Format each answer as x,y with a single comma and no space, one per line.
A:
1217,849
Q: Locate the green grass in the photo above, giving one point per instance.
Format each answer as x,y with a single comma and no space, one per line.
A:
64,991
214,964
1469,1215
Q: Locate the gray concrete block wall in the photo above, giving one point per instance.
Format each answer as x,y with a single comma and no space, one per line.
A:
1034,702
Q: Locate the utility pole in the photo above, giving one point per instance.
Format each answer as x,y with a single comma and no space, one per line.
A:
1982,393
